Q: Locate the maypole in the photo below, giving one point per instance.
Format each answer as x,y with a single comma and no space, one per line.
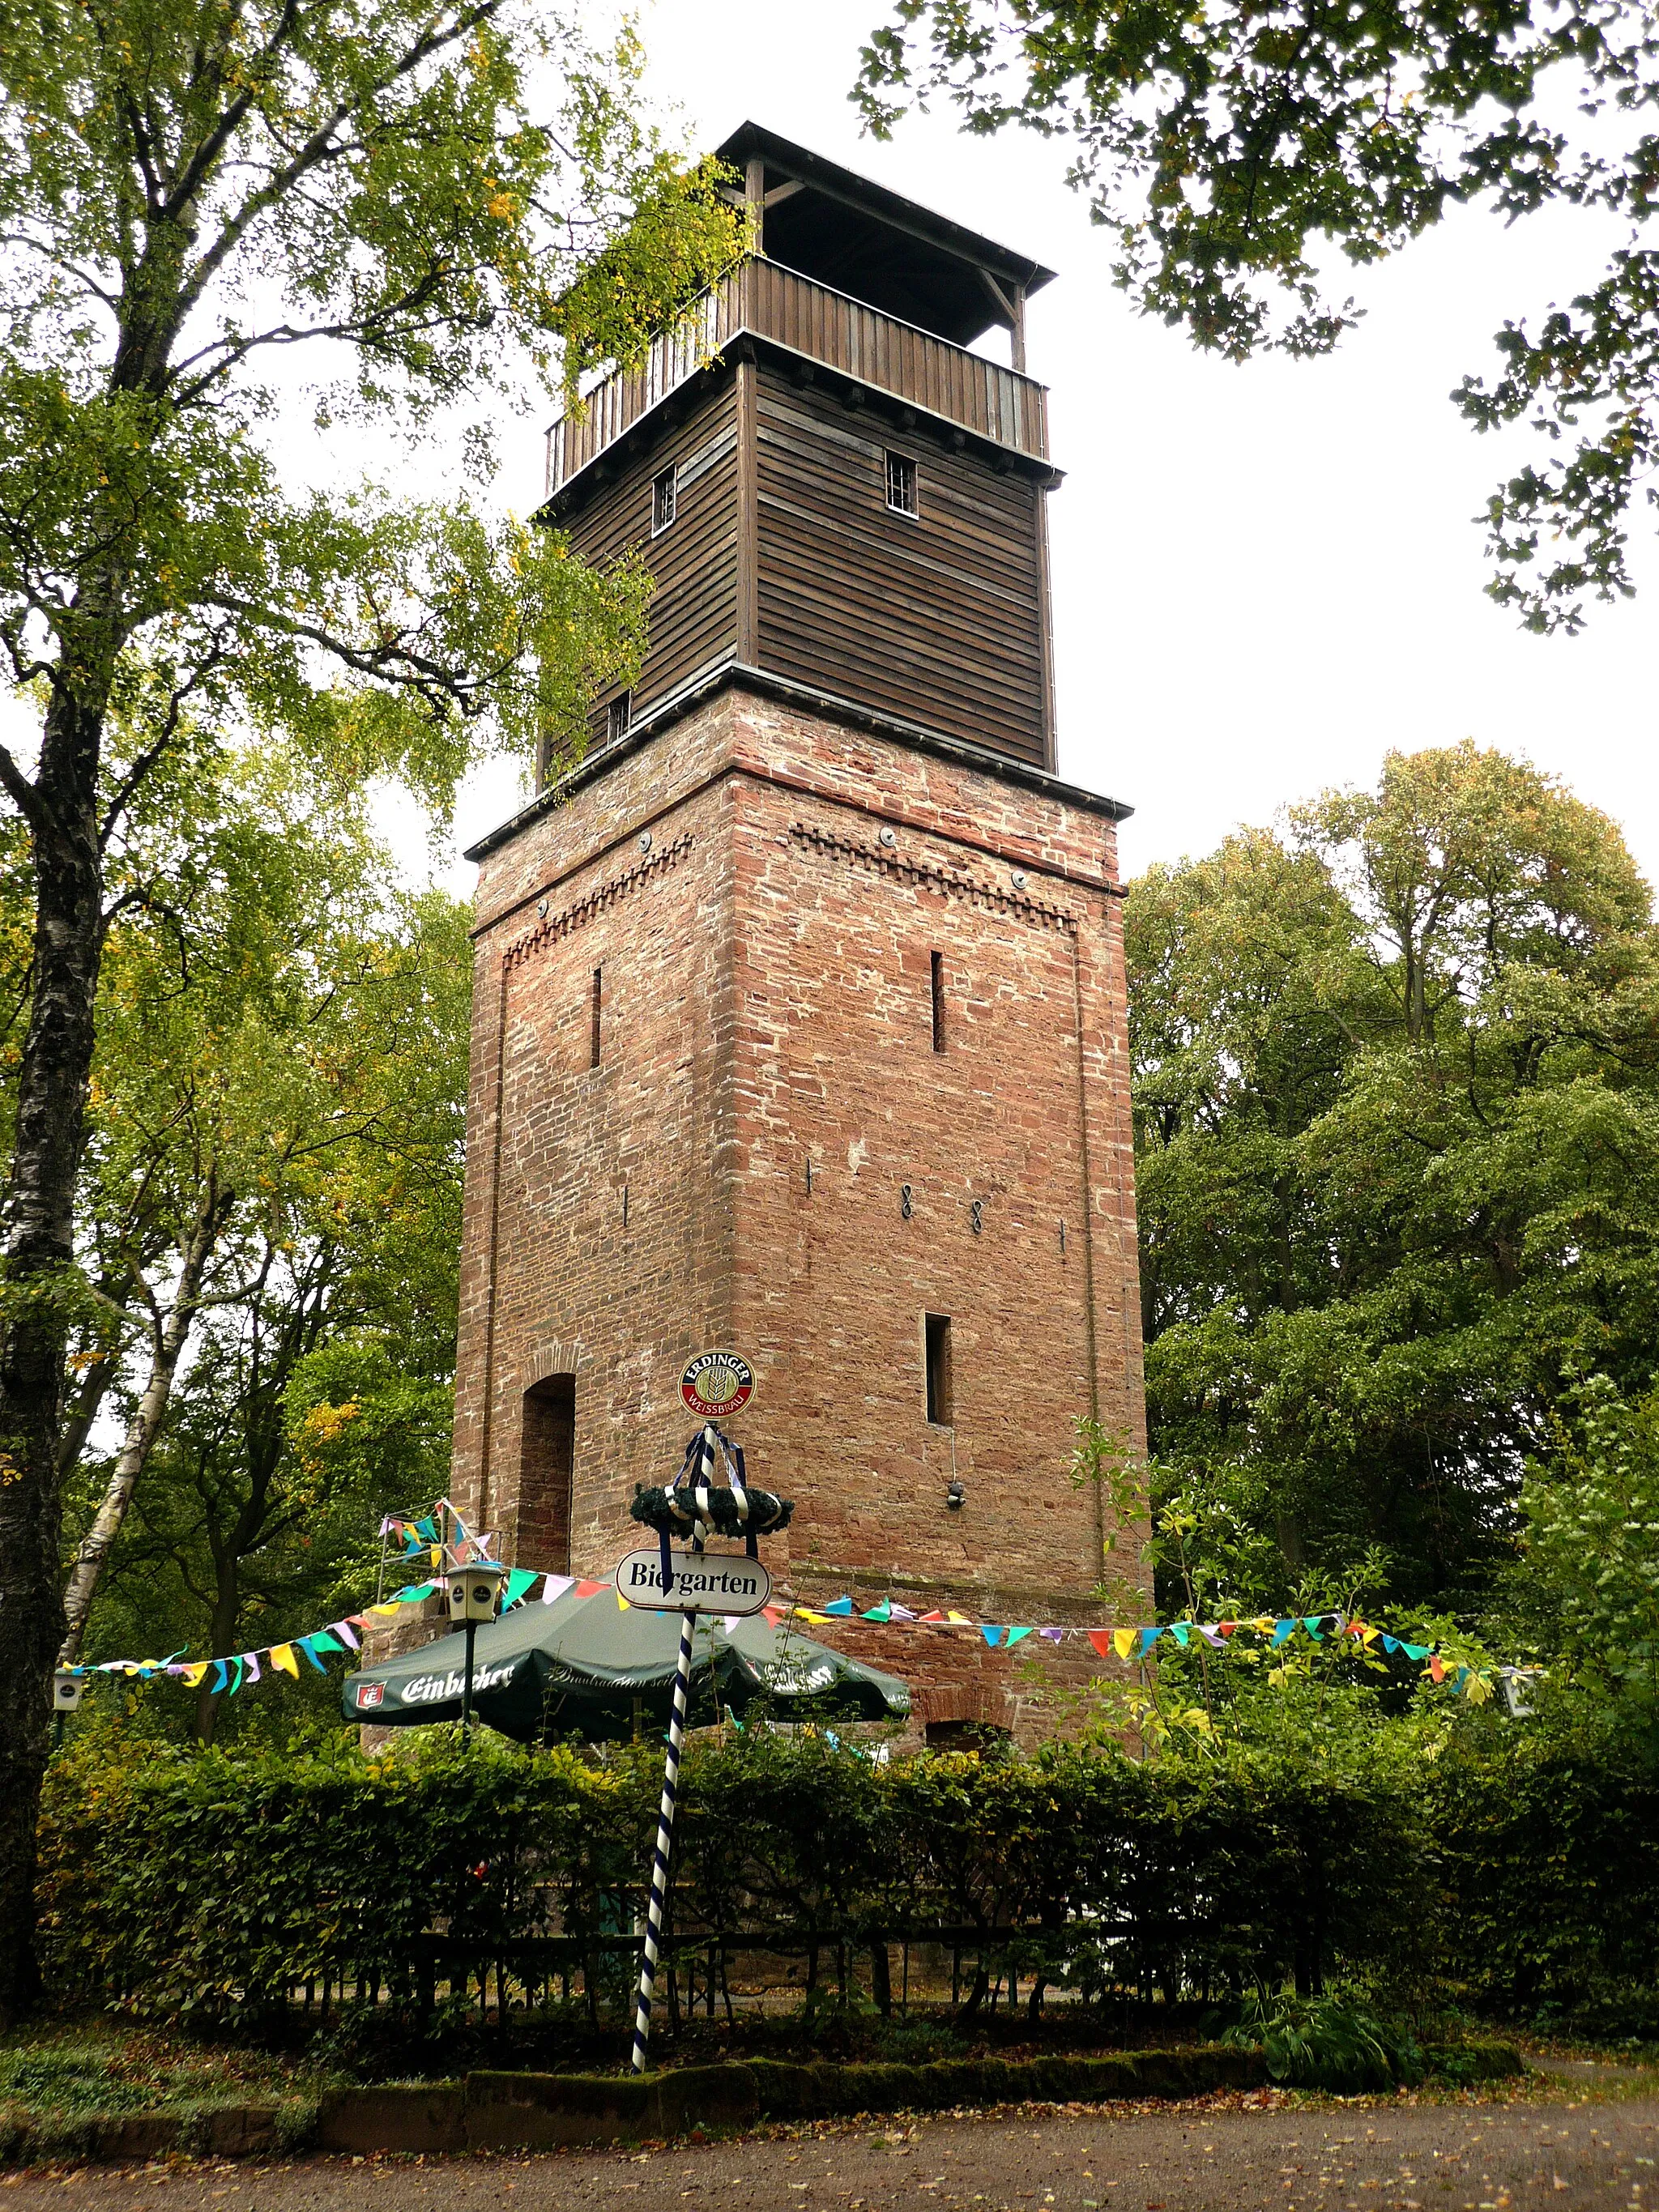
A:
694,1504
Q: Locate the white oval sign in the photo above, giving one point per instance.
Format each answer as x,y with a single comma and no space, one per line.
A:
716,1581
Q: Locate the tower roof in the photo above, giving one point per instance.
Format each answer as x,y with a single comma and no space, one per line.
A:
855,236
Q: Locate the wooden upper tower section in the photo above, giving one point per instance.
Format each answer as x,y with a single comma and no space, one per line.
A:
839,501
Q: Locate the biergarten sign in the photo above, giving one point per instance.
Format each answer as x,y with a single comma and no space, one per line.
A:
710,1582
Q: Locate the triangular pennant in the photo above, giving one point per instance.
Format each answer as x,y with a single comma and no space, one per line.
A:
1314,1623
1179,1630
1390,1643
1123,1641
307,1644
282,1659
992,1636
193,1673
1415,1650
588,1590
1014,1634
235,1666
1148,1637
1436,1667
928,1618
1053,1635
222,1676
250,1661
1211,1636
881,1612
959,1621
621,1603
897,1612
344,1630
555,1586
1283,1632
1224,1628
771,1614
324,1639
519,1584
1101,1640
841,1607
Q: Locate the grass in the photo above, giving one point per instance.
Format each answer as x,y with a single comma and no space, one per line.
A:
57,2080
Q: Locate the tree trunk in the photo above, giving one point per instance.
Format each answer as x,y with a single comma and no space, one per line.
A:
39,1287
226,1608
168,1343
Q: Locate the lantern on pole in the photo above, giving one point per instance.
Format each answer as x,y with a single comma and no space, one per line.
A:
67,1688
474,1594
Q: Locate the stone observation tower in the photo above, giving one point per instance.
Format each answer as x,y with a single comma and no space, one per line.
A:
800,1019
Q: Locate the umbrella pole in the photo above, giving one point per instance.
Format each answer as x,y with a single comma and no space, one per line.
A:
653,1916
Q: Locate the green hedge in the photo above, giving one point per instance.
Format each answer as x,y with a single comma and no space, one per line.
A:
181,1883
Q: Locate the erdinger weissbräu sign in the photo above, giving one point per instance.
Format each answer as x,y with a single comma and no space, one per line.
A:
704,1581
717,1384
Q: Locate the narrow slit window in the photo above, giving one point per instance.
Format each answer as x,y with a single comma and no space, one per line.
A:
664,500
594,1040
901,484
936,979
618,715
936,1338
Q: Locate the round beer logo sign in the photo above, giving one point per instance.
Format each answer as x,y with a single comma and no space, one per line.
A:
716,1384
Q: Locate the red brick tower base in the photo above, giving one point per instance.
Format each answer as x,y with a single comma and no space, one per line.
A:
809,1039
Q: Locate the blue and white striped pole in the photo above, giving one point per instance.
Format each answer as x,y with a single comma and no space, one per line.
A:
671,1775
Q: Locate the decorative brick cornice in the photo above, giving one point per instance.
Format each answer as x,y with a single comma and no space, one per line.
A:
933,877
596,901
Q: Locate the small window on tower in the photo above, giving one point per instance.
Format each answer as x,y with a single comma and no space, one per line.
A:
665,498
936,1341
936,974
617,716
595,1006
901,484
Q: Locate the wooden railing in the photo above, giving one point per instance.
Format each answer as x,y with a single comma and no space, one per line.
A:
767,301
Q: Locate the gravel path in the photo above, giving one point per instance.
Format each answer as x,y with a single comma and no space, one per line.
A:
1350,2158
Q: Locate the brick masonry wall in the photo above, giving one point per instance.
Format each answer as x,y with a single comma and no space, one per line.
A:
766,1002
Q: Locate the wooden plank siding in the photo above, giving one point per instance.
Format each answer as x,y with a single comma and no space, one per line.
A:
693,562
937,618
771,301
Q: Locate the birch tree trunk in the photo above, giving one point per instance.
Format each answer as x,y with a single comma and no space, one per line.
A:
168,1342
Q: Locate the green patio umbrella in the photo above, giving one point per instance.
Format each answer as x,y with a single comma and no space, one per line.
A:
579,1666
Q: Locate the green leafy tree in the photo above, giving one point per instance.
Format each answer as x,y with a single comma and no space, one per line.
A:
1398,1123
1223,148
190,198
282,1073
1590,1574
281,1069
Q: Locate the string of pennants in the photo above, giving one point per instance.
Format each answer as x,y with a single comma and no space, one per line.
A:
1132,1645
1137,1645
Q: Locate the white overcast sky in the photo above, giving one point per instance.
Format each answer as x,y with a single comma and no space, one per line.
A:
1264,577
